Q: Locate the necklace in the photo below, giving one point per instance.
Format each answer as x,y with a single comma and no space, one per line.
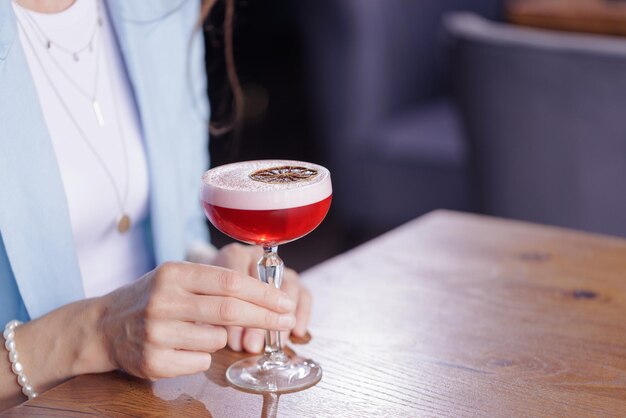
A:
123,221
91,97
49,43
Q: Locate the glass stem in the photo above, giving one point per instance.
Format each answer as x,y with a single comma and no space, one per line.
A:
270,268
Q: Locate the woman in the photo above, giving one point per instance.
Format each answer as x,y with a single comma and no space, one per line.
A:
102,142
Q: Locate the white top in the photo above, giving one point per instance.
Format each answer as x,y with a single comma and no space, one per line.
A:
231,185
107,258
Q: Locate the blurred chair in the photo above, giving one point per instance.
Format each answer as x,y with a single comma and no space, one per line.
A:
546,119
391,137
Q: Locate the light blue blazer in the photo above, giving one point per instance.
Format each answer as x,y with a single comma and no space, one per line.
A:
38,263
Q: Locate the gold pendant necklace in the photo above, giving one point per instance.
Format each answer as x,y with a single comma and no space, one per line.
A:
123,224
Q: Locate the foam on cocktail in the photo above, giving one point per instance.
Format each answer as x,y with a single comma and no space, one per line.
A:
231,186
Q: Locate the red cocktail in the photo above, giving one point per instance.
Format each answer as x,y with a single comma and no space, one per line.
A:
268,227
268,203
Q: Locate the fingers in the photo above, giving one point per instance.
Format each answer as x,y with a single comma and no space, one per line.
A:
303,312
236,312
211,280
253,340
243,286
253,269
238,257
254,255
302,297
187,336
290,284
170,363
235,335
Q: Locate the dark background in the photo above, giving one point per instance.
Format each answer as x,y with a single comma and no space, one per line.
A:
417,105
269,53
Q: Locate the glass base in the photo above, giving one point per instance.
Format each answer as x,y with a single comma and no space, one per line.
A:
258,374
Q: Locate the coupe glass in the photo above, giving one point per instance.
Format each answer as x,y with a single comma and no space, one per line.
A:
268,203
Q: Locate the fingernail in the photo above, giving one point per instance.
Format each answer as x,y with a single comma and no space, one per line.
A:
285,303
287,321
235,345
303,339
256,343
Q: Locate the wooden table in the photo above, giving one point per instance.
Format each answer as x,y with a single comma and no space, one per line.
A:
449,315
606,17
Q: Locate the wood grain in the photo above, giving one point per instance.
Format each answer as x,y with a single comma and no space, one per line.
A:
449,315
606,17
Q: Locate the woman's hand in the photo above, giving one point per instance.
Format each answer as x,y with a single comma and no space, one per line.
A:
244,258
165,324
170,321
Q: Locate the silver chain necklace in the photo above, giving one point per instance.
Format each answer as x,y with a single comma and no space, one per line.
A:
123,221
49,43
93,97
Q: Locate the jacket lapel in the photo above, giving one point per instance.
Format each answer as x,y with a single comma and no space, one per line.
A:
145,53
34,217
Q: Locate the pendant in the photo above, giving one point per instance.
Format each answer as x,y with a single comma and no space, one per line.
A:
123,224
97,111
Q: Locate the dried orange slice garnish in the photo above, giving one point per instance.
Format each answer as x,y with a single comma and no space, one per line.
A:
283,174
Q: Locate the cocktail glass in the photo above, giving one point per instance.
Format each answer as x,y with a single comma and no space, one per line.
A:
268,203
